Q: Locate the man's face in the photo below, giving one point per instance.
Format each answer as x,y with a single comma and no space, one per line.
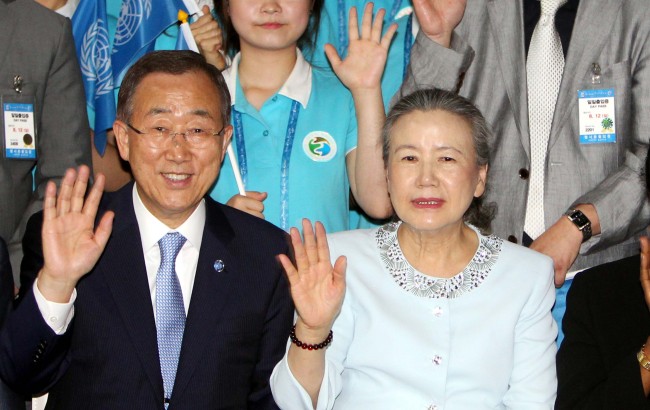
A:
172,175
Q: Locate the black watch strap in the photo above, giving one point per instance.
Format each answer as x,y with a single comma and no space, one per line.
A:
581,222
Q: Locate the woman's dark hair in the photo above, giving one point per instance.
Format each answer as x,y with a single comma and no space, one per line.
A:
478,214
306,42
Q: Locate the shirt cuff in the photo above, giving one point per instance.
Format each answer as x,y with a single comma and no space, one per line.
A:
57,315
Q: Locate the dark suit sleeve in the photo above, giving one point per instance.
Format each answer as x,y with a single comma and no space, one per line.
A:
32,252
274,340
32,356
585,380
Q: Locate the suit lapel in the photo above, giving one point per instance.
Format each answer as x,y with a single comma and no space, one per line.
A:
509,42
587,41
126,276
210,294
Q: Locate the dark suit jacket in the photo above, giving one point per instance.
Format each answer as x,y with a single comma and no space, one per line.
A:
606,323
236,330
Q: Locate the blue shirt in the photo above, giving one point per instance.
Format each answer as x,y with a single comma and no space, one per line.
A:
326,131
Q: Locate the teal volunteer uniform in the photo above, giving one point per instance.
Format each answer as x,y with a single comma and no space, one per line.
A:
294,148
334,30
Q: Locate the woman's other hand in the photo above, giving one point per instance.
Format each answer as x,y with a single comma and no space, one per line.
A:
209,39
252,203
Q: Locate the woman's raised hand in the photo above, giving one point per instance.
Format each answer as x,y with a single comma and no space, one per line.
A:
367,51
317,287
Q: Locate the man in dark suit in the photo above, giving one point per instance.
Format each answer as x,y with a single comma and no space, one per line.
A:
38,66
114,320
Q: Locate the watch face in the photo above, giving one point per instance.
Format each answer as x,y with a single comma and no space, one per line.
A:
581,219
578,218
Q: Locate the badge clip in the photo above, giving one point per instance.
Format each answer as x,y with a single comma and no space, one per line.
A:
18,84
595,73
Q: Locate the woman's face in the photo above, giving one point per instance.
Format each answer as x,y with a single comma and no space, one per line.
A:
269,24
432,171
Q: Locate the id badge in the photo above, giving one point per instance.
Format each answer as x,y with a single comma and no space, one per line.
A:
597,116
19,131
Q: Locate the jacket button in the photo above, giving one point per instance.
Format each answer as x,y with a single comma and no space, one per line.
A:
523,173
512,239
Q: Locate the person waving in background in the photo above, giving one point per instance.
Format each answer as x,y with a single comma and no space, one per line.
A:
295,126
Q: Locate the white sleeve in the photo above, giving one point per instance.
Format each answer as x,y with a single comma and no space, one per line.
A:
287,391
533,382
57,315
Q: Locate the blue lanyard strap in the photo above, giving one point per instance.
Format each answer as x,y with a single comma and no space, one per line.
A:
343,27
286,158
408,43
393,12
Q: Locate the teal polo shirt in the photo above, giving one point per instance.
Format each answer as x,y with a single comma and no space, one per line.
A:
317,185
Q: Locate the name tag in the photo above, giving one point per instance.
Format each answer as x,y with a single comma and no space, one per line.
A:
19,130
597,116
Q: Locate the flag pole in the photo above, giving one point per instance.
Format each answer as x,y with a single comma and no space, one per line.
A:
189,39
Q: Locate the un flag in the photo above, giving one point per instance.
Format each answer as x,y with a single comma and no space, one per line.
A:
139,24
90,30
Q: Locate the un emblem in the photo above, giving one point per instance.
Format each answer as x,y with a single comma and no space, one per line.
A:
95,59
129,21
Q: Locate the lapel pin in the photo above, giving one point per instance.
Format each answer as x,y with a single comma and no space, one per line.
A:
218,265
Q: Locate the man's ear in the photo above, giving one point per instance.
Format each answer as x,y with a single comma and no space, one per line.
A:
122,139
227,135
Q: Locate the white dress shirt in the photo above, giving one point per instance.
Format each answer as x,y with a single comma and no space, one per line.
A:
59,315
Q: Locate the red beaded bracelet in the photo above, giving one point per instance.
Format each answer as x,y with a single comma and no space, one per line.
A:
308,346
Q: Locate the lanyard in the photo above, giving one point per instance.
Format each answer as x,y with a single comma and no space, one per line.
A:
286,158
408,43
343,31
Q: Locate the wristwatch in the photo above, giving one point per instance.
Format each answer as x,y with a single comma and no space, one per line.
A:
581,222
643,360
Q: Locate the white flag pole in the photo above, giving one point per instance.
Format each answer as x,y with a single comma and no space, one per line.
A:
194,9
